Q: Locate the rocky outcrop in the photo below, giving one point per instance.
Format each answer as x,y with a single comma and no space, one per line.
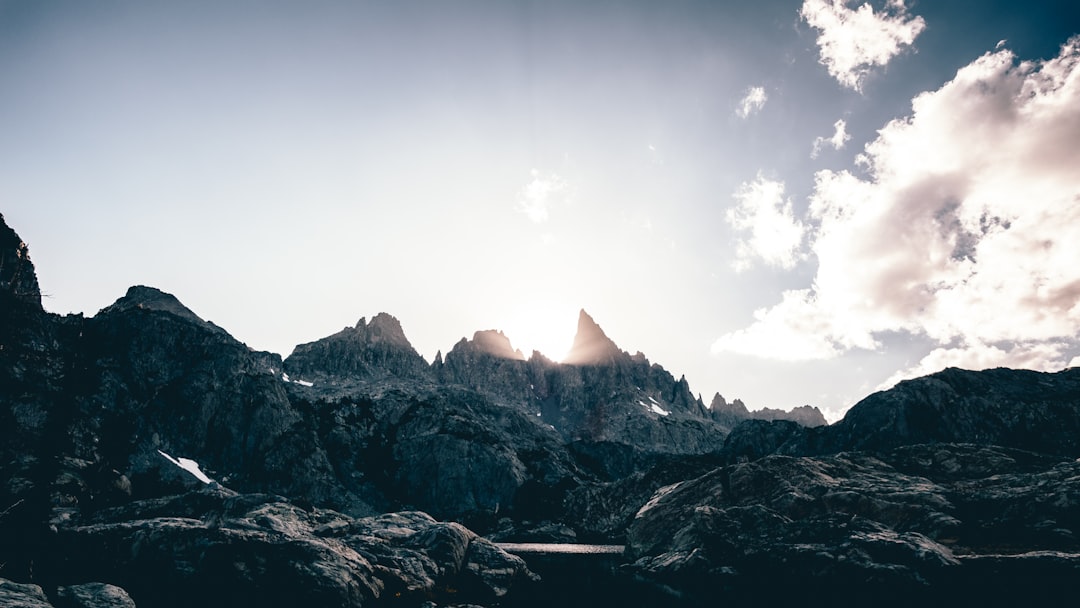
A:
1023,409
591,345
21,595
918,521
93,595
489,364
369,351
263,550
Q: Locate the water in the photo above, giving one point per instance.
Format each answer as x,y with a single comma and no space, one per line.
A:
524,549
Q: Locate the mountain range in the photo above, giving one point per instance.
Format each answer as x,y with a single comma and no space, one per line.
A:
148,454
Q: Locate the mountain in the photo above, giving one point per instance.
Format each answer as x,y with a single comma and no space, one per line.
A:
144,450
370,350
731,414
591,345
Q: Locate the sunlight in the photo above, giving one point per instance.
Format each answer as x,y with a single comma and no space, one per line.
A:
543,325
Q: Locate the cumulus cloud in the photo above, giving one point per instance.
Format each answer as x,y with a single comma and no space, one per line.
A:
537,196
851,42
964,229
773,234
839,137
752,102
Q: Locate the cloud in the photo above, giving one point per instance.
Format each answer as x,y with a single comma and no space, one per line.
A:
839,137
965,229
853,41
752,102
537,196
775,236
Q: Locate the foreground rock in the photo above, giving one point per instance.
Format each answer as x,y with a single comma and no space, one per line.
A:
255,549
921,521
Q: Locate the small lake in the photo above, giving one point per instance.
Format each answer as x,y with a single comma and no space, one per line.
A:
560,549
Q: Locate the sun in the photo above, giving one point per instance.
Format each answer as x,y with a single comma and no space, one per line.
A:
541,325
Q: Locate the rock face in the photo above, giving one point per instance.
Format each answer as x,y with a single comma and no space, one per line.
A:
923,521
591,345
618,412
1022,409
256,549
370,351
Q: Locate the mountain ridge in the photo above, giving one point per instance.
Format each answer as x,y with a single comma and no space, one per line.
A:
342,453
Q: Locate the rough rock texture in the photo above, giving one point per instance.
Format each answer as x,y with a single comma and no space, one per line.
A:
93,595
918,521
19,595
602,512
370,350
263,550
617,411
1028,410
955,482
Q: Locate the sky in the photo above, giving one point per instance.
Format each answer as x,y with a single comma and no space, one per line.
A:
789,202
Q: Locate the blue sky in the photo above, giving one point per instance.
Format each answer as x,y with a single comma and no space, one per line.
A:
789,202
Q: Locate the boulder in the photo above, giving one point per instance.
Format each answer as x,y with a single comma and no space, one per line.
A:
93,595
19,595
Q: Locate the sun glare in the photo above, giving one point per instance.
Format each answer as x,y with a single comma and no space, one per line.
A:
544,326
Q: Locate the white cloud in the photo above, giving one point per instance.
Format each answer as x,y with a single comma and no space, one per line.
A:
965,230
839,137
537,196
853,41
752,102
775,236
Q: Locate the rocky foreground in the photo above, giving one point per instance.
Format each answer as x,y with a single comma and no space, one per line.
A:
148,458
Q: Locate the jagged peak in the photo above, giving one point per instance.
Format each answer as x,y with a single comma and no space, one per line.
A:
385,327
591,344
152,298
494,342
720,405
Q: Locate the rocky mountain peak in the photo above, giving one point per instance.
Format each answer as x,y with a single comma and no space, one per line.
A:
370,350
494,342
385,328
17,275
591,344
151,298
736,407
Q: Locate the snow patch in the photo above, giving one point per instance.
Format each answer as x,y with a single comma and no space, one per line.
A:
303,383
660,410
188,465
285,377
